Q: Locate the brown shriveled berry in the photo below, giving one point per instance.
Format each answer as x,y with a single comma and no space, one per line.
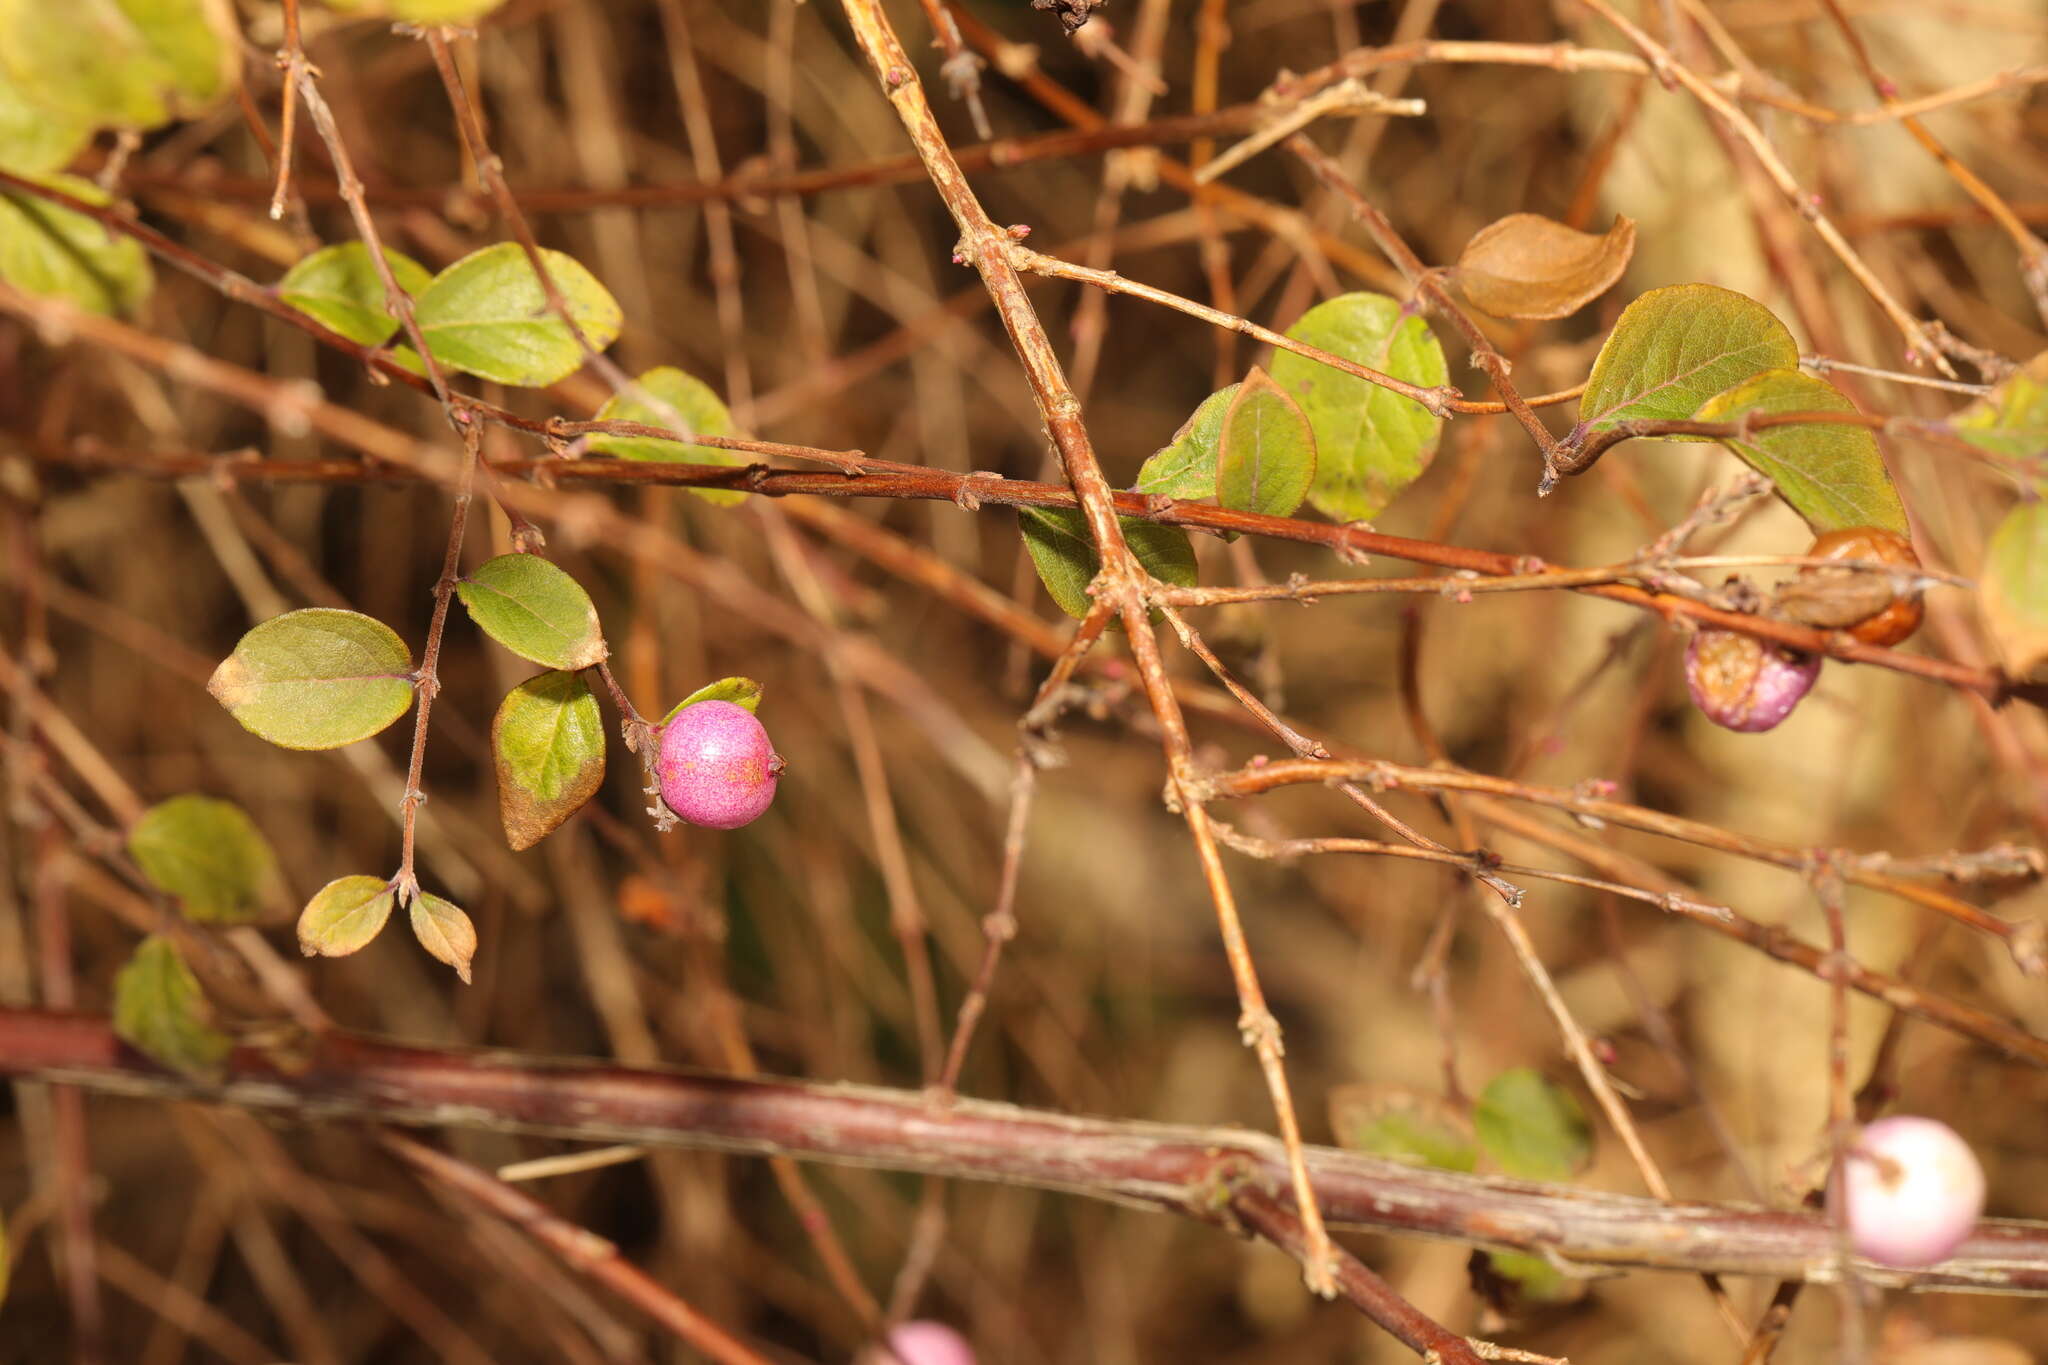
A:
1901,616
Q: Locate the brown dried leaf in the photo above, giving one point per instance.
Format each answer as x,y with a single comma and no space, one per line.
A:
1529,266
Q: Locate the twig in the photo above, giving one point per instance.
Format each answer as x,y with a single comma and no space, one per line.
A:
1429,284
1385,776
1372,1295
1921,345
1120,581
292,59
2033,251
999,926
427,681
579,1248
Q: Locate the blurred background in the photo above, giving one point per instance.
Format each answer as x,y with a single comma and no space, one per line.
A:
836,319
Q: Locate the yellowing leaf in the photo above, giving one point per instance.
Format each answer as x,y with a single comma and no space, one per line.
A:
53,252
124,63
445,931
547,742
1831,475
1529,266
160,1011
1675,348
2013,591
317,678
2013,418
345,915
209,854
35,140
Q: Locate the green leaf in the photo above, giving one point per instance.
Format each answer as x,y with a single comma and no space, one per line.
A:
1370,442
160,1011
1403,1125
181,34
1057,539
338,287
2013,591
1831,475
35,140
52,252
1186,468
487,315
317,678
739,691
1526,1281
1675,348
125,63
692,400
1532,1129
2013,418
548,744
444,931
535,609
1267,457
209,854
345,915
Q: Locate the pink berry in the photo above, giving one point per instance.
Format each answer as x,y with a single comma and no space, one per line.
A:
923,1343
1744,683
1912,1191
716,765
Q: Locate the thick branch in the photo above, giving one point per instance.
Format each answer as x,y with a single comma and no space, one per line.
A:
1150,1165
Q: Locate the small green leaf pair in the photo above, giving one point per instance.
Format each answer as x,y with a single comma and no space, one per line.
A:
1524,1125
348,912
323,677
1700,352
487,314
1309,431
209,855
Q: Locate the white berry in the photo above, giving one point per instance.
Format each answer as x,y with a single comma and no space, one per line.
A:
1912,1191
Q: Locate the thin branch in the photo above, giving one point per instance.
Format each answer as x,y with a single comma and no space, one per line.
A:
579,1248
2018,937
1120,581
1921,345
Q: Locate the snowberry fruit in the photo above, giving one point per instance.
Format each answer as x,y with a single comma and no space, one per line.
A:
1745,683
1902,616
1912,1191
923,1343
716,766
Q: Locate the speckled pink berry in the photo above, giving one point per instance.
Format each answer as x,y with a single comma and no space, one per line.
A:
716,765
1912,1191
922,1343
1744,683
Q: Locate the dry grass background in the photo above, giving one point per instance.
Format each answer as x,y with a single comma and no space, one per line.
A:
1115,999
